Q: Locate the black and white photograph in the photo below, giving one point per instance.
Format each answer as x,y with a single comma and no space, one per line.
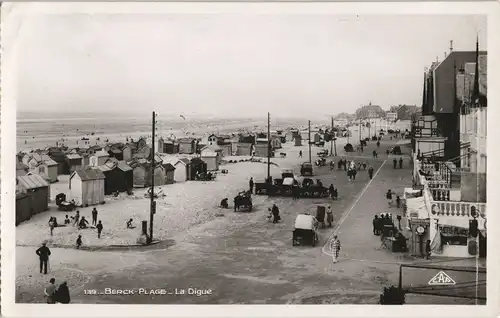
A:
245,157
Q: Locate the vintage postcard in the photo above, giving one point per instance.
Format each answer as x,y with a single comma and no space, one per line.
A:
244,154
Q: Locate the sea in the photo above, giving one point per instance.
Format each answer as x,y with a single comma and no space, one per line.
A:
37,130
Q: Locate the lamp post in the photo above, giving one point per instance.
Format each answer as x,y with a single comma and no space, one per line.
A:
335,145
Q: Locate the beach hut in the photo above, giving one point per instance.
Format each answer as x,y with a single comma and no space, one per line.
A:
75,162
298,140
86,186
196,165
142,173
275,142
169,173
98,158
116,153
43,165
21,169
212,140
244,149
119,177
24,209
187,145
210,158
181,170
127,152
37,189
261,149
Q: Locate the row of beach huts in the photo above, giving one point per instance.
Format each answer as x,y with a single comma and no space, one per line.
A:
97,171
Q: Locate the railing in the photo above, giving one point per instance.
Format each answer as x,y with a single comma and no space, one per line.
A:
437,197
461,209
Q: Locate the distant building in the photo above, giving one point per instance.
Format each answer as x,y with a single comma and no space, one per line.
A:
391,116
405,112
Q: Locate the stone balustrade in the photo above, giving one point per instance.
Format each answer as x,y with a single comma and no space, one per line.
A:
459,209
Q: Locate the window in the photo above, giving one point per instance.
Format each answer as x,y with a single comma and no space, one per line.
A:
41,169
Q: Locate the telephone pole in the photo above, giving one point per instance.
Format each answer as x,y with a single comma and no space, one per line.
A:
152,207
268,146
310,160
331,140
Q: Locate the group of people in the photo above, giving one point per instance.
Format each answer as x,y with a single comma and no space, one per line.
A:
389,196
379,223
274,214
57,294
395,163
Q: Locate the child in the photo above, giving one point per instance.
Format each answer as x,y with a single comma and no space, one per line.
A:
67,220
398,201
79,242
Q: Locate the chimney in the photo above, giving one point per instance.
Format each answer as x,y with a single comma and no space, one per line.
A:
444,54
451,46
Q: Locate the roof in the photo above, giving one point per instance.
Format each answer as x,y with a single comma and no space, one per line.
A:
184,161
168,167
116,150
89,174
32,181
209,153
123,166
101,153
21,166
185,140
73,156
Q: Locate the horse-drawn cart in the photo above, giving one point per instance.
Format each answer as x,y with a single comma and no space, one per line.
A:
306,230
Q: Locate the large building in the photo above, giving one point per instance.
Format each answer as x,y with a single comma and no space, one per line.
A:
453,186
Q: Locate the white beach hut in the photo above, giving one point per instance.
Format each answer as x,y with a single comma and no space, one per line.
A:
181,170
87,187
99,158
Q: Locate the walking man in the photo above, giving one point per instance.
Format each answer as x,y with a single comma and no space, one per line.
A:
400,162
329,216
300,154
250,184
94,216
335,248
374,154
50,291
378,144
43,253
395,163
99,229
428,249
370,172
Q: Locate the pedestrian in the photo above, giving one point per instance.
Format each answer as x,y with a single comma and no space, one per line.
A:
76,218
375,224
52,225
399,221
395,163
387,152
364,165
99,229
335,193
354,173
50,291
300,154
330,190
378,144
400,162
335,248
389,197
43,254
345,163
374,154
329,216
94,216
67,221
276,213
79,242
83,223
370,172
398,201
428,249
62,293
250,184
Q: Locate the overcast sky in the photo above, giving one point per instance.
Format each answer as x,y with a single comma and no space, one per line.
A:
236,64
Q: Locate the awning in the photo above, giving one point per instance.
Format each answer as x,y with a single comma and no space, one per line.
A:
415,208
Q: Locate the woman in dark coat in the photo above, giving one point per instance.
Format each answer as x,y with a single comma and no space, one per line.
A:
276,213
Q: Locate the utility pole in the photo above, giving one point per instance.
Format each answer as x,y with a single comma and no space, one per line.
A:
268,146
310,160
369,128
359,129
152,207
332,135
